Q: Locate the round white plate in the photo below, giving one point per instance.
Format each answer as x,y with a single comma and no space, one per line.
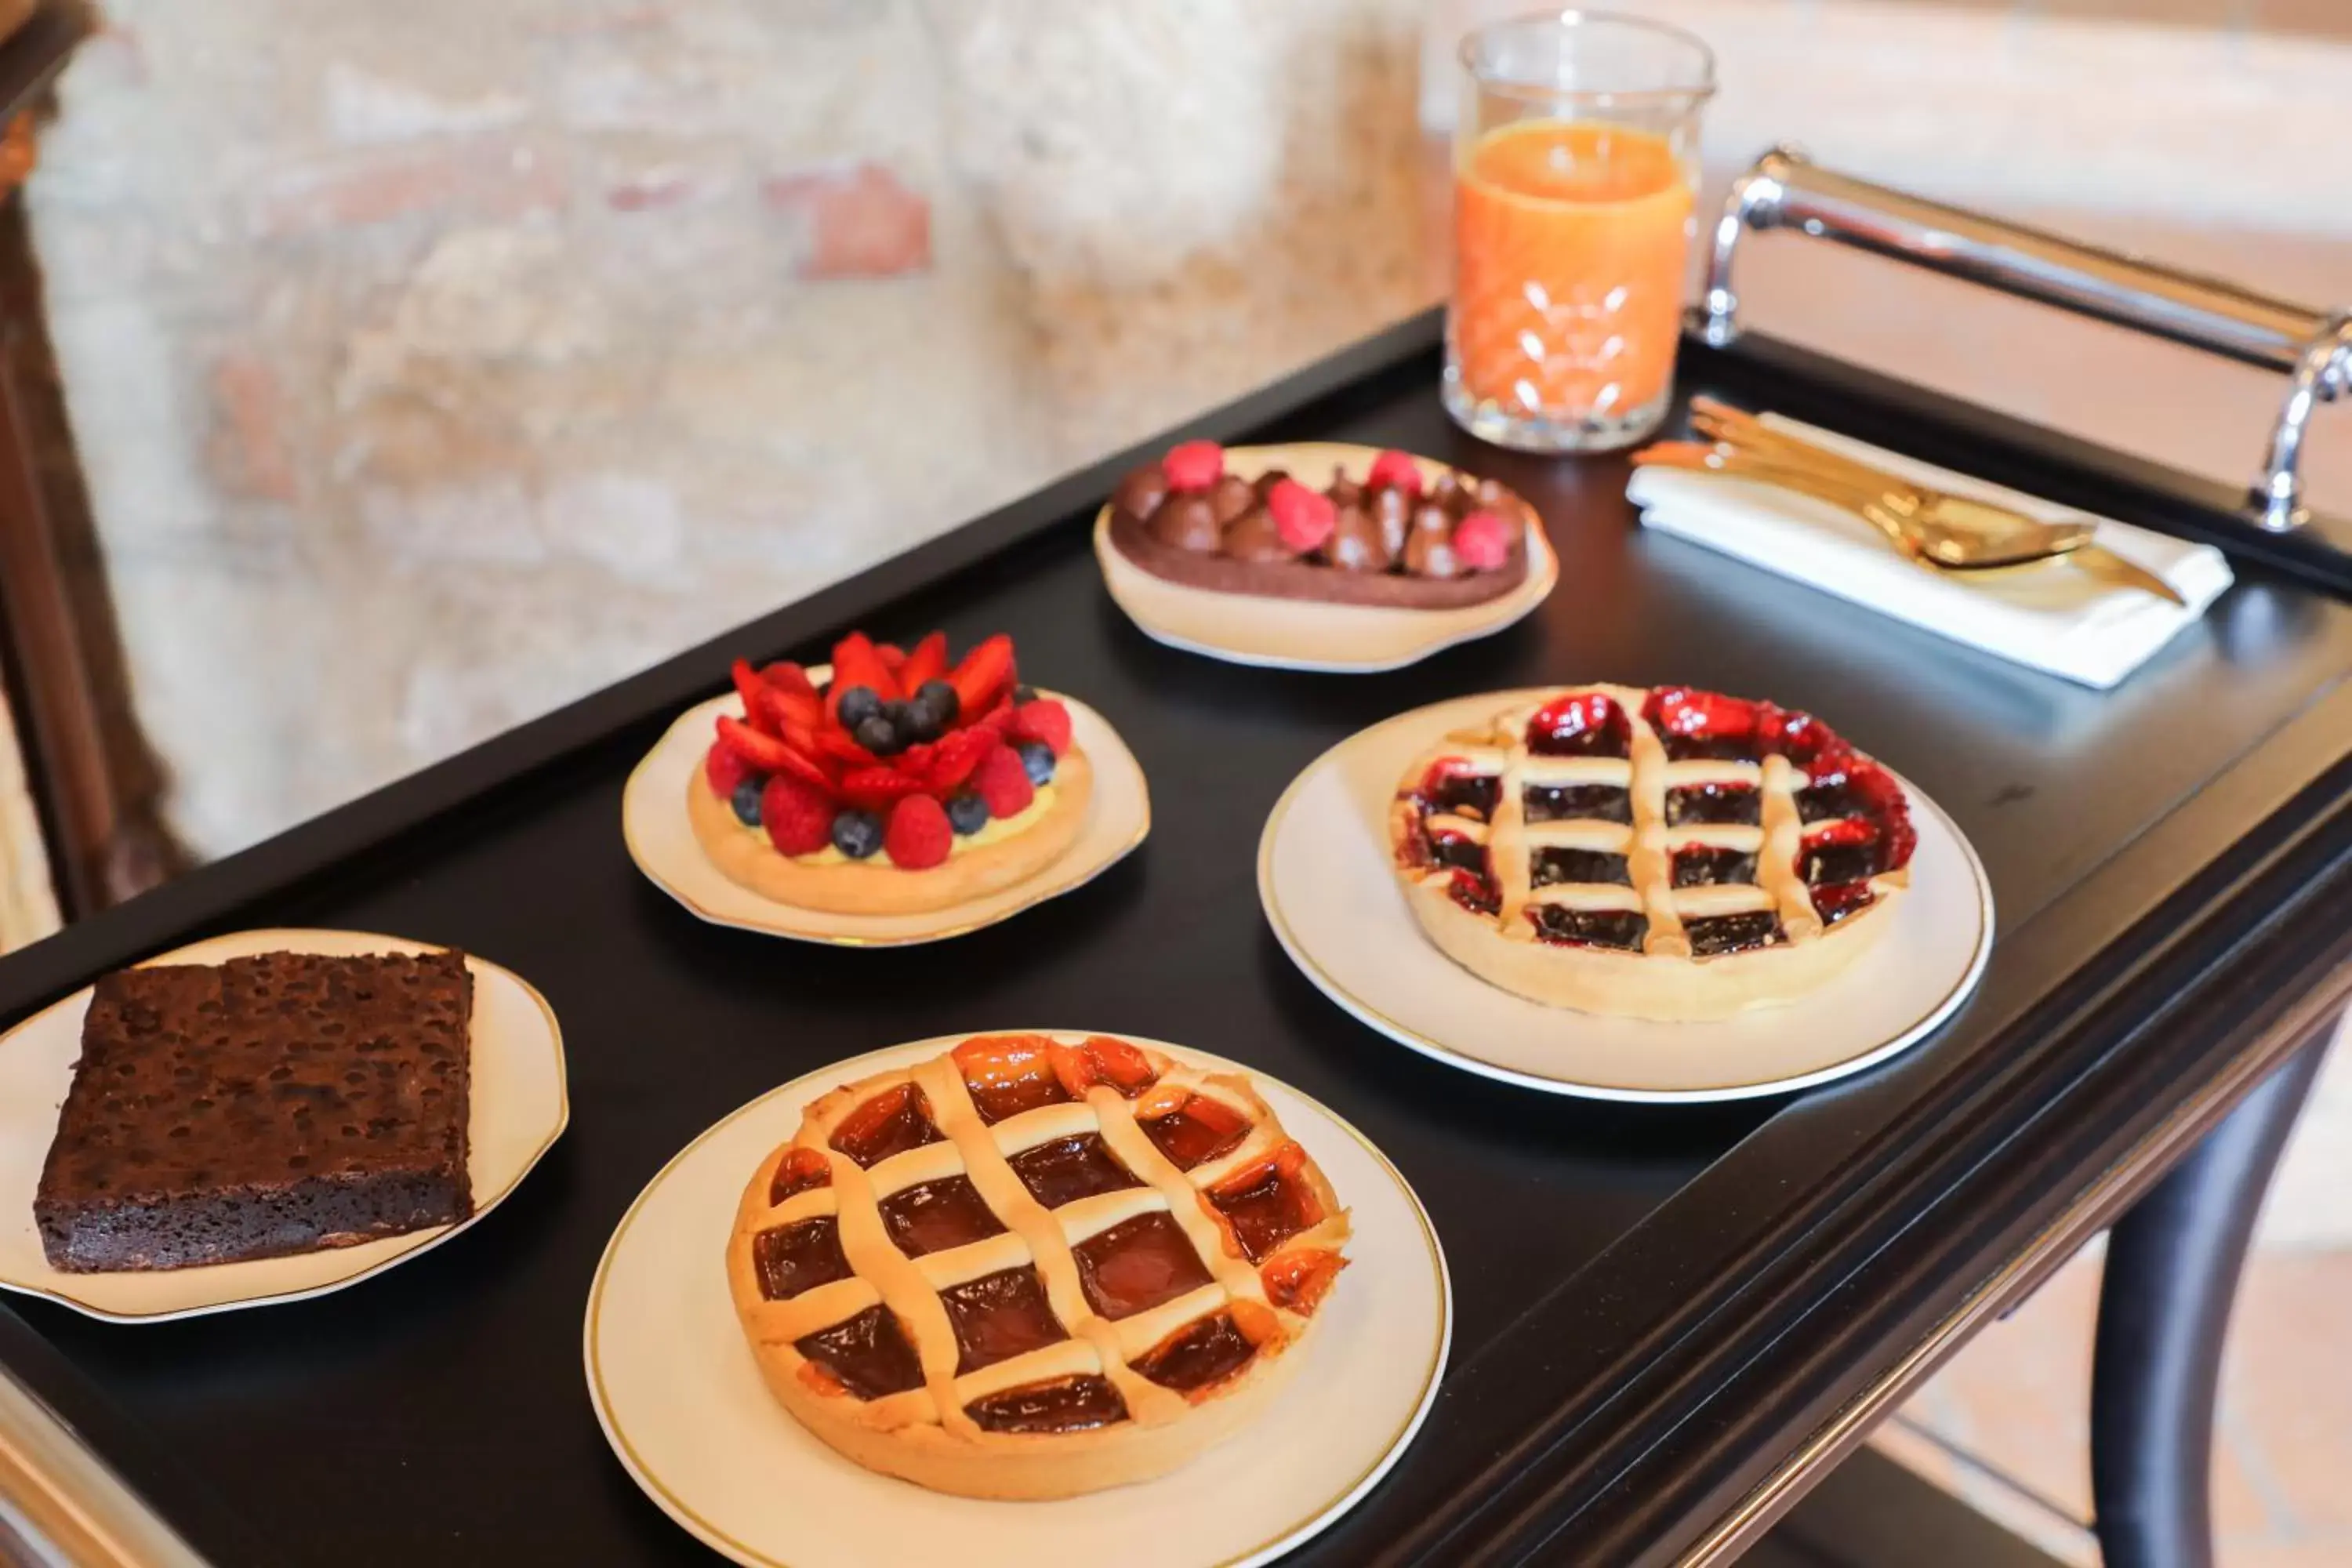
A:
682,1403
1324,877
519,1107
1298,634
661,841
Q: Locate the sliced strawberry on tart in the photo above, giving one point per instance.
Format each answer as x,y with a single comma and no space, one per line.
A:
896,782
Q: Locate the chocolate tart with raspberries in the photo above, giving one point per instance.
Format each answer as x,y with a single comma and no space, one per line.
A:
1404,533
893,783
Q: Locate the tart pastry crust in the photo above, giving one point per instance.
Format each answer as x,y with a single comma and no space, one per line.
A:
920,1192
1614,925
875,887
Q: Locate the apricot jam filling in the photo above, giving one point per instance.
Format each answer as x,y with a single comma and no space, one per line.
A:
932,1216
792,1259
802,1171
1008,1074
1197,1131
1064,1170
1204,1351
1061,1404
999,1315
891,1122
1136,1264
1268,1204
869,1355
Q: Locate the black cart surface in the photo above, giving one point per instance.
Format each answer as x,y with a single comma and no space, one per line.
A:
1666,1317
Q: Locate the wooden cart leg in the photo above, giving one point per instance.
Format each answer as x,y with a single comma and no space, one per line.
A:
2172,1271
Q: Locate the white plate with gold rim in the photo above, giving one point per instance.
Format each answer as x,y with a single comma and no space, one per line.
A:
1310,635
1328,887
661,840
519,1108
682,1402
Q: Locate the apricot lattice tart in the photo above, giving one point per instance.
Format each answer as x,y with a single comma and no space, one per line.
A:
1035,1265
901,784
1666,854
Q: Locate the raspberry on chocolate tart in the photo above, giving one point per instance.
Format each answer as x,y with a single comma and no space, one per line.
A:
906,782
1035,1265
1667,853
1401,534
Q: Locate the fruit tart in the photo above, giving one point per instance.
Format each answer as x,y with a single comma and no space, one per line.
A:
1034,1265
896,782
1404,533
1668,853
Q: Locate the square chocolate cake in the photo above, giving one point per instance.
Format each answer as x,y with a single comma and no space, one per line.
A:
264,1106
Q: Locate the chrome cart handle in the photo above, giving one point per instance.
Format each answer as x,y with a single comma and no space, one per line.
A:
1787,190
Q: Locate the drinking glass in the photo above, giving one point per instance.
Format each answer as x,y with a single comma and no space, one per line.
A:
1575,175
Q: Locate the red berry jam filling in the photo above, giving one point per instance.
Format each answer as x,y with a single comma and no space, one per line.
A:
1268,1205
1007,1075
1476,893
1197,1131
1136,1264
999,1315
802,1171
1716,934
1839,899
932,1216
1714,805
1557,864
1451,785
1457,851
891,1122
1582,724
869,1355
1076,1404
1692,723
1589,927
1576,803
1067,1169
1205,1350
791,1258
1704,865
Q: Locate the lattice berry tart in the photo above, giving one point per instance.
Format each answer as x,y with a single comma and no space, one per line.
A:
1035,1265
901,784
1666,854
1407,533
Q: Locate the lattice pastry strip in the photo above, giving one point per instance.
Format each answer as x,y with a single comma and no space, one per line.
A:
1091,1269
1669,823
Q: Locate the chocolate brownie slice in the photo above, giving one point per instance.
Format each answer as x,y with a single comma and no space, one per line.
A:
265,1106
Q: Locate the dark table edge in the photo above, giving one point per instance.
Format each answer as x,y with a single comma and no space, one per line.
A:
184,909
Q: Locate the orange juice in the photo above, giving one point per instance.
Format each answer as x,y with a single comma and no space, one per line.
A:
1570,243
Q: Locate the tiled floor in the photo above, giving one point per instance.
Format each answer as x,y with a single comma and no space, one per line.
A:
2005,1424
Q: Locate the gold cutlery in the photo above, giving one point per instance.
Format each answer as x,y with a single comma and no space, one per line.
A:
1930,526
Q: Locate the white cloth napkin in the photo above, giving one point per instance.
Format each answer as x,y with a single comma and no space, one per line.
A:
2055,617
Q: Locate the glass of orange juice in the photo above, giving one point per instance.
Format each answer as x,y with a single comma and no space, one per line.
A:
1575,169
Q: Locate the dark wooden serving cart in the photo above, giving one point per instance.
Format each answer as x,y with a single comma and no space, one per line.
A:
1670,1321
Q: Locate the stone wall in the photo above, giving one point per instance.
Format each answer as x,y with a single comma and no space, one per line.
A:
433,365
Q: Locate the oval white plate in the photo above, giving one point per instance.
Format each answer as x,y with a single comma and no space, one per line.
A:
1297,634
1324,878
661,841
518,1110
682,1404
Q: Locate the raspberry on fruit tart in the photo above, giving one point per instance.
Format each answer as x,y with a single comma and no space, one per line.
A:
1669,854
893,782
1034,1265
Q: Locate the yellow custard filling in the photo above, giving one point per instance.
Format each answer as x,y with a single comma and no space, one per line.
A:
997,828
